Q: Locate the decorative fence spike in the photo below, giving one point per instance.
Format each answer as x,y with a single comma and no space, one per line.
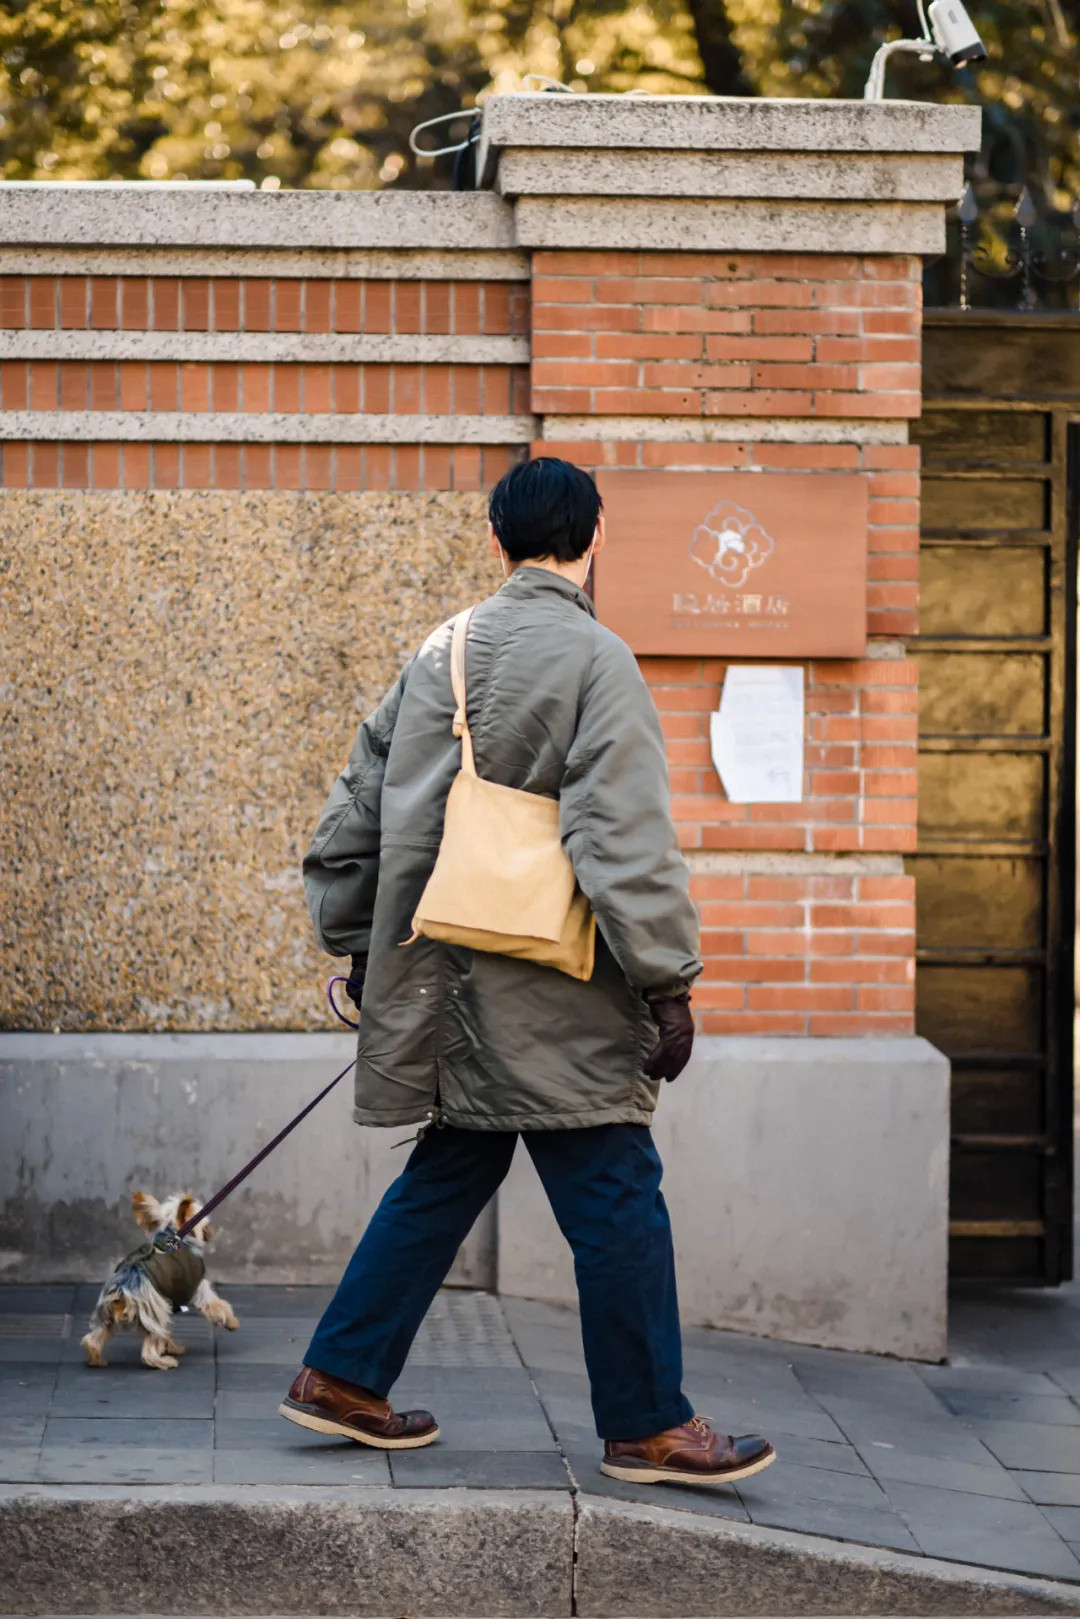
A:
986,251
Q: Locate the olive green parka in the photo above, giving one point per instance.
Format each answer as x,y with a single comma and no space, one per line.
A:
557,706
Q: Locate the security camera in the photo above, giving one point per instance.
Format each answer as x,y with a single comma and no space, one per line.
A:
954,32
948,32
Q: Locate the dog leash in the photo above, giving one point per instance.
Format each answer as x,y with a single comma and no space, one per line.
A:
168,1241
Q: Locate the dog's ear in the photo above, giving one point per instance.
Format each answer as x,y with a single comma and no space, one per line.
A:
185,1209
147,1210
207,1231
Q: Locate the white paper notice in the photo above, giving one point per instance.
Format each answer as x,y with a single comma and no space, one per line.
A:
757,735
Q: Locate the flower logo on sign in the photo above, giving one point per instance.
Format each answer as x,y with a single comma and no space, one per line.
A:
729,543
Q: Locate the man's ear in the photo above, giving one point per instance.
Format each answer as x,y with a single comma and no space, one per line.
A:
499,554
600,537
147,1210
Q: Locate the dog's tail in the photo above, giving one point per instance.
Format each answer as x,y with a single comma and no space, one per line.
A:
148,1307
119,1308
115,1306
131,1299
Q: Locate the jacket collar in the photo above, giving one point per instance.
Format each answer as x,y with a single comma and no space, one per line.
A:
534,582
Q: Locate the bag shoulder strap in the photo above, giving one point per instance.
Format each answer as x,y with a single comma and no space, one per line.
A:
457,680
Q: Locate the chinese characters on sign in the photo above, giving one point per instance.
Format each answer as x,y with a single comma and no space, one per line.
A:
685,604
745,563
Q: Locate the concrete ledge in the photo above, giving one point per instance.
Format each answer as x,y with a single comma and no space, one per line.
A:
480,264
315,219
372,1551
282,348
261,427
654,1561
89,1119
367,1551
724,429
792,862
732,123
855,176
748,225
808,1186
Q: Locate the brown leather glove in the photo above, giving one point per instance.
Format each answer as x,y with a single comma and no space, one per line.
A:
670,1055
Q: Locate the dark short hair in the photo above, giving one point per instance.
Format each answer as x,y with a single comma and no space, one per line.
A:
545,508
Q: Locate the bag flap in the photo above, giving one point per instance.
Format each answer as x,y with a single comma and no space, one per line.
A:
501,866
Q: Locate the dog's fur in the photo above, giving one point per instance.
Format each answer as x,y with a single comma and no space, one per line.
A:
130,1298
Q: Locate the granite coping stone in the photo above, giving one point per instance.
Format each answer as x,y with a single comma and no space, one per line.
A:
369,1551
851,176
272,219
716,123
310,348
649,1560
263,427
736,225
474,263
264,1549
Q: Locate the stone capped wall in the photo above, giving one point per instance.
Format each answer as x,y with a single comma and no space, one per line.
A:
297,385
244,441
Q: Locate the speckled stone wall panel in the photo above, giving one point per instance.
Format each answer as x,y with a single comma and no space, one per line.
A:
183,673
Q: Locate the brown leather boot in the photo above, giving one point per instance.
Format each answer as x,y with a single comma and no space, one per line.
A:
330,1405
692,1454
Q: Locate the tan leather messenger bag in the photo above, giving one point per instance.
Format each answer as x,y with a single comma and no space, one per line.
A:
502,881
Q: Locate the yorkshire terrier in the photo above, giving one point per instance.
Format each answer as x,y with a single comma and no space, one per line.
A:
153,1281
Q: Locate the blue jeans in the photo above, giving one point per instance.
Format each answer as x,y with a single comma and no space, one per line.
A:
603,1184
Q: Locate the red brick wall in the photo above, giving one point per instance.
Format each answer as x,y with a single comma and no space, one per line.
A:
726,334
820,948
463,308
809,954
195,304
779,336
860,780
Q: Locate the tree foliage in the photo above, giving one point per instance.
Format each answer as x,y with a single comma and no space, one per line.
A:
294,93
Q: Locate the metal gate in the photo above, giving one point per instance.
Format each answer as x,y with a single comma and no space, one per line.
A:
996,846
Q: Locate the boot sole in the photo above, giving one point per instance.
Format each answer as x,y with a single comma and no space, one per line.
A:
672,1475
317,1424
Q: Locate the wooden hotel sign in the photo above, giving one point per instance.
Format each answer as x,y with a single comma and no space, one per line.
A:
735,564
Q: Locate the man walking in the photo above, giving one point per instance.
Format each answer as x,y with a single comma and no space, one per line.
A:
479,1048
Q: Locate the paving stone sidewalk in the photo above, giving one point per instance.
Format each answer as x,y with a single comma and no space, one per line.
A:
977,1461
